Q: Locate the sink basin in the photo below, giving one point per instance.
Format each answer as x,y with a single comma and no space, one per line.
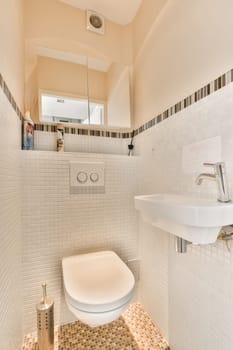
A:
197,220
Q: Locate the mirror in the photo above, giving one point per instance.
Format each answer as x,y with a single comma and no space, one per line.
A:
64,109
118,96
82,90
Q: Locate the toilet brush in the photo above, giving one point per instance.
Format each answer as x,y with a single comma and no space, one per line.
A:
45,322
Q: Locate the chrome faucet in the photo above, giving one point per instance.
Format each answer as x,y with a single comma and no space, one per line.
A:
219,176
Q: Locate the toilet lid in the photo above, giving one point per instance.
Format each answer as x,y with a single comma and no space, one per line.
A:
97,282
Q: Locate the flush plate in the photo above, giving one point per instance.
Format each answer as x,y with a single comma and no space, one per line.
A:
87,177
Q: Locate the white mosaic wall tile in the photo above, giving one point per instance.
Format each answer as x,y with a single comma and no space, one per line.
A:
46,141
56,223
154,274
200,283
10,268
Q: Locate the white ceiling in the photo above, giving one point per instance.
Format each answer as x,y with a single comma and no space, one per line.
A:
118,11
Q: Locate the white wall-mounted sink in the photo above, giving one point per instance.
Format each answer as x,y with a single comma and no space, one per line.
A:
197,220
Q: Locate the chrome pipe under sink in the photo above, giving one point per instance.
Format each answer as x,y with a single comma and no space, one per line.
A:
181,245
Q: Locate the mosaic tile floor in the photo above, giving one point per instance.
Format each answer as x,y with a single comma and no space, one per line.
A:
134,330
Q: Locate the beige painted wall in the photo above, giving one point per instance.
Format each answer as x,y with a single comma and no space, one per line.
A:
31,94
118,109
189,45
12,47
143,21
63,77
97,85
54,24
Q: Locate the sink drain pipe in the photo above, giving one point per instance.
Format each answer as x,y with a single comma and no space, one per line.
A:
181,245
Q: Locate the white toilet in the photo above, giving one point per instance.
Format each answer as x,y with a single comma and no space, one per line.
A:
98,286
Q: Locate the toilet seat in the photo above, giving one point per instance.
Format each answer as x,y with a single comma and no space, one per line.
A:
97,282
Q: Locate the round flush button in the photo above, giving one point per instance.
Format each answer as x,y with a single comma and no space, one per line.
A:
94,177
82,177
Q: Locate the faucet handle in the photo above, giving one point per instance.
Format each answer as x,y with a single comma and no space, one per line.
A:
220,177
219,167
209,164
214,164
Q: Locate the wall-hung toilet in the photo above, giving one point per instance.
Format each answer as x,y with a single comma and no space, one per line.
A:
98,286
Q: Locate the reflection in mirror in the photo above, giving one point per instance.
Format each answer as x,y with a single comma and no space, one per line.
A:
63,109
118,101
96,113
79,90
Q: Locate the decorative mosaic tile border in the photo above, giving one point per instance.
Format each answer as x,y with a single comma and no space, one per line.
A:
198,95
86,132
8,94
53,128
134,330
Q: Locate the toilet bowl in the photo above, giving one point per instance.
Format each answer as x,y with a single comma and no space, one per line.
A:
98,286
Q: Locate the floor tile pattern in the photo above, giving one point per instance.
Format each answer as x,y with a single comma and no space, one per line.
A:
134,330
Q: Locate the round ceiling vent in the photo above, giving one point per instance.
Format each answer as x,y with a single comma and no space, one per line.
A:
95,22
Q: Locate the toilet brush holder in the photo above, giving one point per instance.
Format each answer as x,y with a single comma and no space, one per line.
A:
45,322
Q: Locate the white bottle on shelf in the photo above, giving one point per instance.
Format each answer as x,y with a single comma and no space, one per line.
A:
60,138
